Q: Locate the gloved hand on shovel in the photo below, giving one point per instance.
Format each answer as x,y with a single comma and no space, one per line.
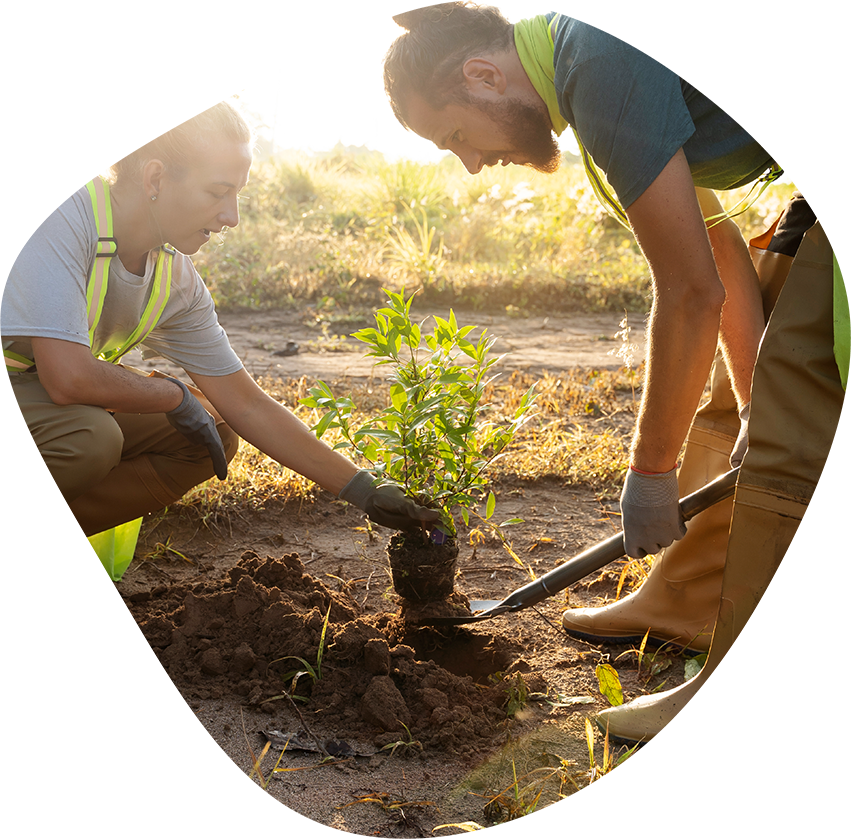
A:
386,505
650,512
196,424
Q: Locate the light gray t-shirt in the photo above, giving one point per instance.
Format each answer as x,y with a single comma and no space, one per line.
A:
45,297
632,114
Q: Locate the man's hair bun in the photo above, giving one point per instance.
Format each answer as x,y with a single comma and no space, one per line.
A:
410,13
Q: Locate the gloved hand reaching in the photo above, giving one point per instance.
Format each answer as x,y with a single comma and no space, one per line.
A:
650,512
386,505
196,424
741,444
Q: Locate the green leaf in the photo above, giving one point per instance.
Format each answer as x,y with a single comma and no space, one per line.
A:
325,423
491,505
367,335
693,666
453,377
398,396
610,683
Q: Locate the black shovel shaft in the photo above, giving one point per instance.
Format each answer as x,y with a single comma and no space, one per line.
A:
611,549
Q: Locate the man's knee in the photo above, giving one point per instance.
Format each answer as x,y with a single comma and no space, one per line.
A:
58,457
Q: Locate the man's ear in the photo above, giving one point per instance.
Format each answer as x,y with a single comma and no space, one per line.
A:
483,76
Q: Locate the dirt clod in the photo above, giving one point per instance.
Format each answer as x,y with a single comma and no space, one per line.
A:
249,633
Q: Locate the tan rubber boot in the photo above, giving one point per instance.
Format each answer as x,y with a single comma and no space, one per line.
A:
678,602
773,694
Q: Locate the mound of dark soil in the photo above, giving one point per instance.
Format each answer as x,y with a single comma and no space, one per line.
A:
241,635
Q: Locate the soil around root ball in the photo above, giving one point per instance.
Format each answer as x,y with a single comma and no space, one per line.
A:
242,635
423,571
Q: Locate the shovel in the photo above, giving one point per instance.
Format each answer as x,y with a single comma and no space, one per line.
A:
589,561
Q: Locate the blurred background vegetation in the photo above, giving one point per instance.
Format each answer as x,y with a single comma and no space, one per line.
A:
329,231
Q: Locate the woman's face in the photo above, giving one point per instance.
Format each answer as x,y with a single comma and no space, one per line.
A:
203,199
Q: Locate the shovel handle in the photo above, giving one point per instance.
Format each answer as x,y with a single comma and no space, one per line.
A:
601,554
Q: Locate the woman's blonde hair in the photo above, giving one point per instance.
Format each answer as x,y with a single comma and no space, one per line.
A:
176,147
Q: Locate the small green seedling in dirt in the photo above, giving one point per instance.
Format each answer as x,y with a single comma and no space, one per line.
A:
434,438
653,662
658,660
523,795
314,671
162,549
515,689
518,695
511,803
410,743
256,763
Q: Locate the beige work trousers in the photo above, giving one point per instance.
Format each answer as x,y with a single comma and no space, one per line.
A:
113,468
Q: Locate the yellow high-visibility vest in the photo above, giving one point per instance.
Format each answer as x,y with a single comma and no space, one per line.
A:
97,285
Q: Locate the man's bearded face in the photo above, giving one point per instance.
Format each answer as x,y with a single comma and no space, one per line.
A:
527,130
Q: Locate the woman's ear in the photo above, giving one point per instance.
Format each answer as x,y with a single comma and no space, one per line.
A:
152,175
483,76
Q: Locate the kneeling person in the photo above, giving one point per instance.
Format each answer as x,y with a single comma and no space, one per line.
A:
110,270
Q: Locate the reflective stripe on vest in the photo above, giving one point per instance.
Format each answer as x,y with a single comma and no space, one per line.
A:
99,279
16,363
106,248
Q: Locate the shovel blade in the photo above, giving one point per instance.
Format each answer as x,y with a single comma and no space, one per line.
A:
483,605
481,610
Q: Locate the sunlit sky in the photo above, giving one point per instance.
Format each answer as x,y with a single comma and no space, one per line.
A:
313,76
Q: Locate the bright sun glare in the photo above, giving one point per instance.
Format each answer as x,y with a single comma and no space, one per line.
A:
315,79
313,76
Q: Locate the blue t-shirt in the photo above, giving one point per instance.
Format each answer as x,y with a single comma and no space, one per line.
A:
632,114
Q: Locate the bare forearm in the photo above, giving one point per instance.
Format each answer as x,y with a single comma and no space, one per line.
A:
680,347
273,429
72,376
278,433
742,319
687,300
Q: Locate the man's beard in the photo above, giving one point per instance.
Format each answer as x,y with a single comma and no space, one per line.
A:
528,131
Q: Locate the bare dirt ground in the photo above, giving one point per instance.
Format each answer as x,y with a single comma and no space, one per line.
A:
406,728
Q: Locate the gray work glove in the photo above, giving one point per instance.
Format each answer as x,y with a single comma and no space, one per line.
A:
196,424
386,505
741,444
650,512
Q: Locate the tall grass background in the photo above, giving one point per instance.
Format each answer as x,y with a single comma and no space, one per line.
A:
331,230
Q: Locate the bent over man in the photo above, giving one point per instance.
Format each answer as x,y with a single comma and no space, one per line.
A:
491,92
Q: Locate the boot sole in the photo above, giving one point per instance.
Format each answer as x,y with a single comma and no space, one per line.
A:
631,640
